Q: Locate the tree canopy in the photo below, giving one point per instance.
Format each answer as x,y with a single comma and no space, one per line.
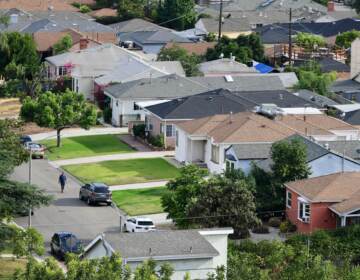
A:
59,111
63,45
128,9
345,39
245,48
356,5
309,41
188,61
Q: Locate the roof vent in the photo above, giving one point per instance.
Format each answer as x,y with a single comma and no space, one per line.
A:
326,145
229,79
210,98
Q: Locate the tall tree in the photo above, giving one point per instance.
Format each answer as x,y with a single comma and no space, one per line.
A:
180,193
345,39
356,5
128,9
177,14
63,45
59,111
225,201
309,41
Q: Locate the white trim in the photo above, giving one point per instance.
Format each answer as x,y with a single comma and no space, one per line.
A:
287,198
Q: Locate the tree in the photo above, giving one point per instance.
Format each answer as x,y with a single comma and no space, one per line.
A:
225,201
129,9
345,39
188,61
84,9
356,5
177,14
180,193
59,111
147,271
309,41
244,48
63,45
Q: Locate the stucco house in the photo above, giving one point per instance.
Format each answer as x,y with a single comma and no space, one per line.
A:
197,252
205,140
324,202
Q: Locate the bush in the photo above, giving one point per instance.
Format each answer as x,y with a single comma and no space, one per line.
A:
157,141
287,226
107,114
274,222
139,130
261,229
76,5
241,234
84,9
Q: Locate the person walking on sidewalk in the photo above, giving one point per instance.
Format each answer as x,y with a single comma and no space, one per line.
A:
62,181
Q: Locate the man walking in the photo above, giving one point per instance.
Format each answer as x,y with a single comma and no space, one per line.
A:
62,181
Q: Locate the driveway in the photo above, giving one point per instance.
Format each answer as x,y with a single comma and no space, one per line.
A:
67,212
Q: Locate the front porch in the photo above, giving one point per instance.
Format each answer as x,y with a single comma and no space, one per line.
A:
195,151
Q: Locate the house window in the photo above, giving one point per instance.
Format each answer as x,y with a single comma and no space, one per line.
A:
62,71
214,154
136,107
304,211
161,128
230,165
169,130
288,199
177,138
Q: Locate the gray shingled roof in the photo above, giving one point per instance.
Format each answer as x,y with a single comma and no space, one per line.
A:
135,24
252,151
350,147
345,86
153,37
174,86
313,97
178,244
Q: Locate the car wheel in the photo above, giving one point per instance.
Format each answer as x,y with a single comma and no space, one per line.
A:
108,203
80,196
88,201
133,230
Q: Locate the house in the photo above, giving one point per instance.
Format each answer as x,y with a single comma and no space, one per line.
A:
325,202
320,100
320,158
198,48
126,98
161,118
205,140
198,252
39,5
224,66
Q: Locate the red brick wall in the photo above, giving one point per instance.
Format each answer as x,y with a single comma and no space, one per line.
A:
321,217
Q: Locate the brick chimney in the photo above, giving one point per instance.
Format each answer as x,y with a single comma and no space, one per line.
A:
83,43
331,6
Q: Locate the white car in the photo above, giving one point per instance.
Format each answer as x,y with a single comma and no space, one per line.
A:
37,150
139,225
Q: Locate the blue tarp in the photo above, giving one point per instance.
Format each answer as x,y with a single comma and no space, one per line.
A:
263,68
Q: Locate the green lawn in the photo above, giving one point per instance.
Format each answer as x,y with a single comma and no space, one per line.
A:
84,146
9,266
120,172
140,201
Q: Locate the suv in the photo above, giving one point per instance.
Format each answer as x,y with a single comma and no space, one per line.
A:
139,225
64,242
37,150
94,193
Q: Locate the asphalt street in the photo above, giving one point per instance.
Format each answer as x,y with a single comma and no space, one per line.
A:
66,212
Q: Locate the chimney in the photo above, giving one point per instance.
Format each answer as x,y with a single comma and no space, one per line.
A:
331,6
83,43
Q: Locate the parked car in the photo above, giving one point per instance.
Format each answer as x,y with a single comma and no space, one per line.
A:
94,193
139,225
25,139
64,242
37,150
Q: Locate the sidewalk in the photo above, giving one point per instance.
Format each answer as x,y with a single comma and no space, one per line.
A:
138,186
123,156
132,142
71,132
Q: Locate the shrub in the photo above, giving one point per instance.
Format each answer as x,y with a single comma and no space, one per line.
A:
107,114
261,229
139,130
84,9
76,5
274,222
157,141
287,226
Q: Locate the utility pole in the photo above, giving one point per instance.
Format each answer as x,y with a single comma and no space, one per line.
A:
30,174
220,19
290,38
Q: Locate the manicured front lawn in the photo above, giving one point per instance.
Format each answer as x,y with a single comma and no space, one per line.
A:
140,201
9,266
85,146
120,172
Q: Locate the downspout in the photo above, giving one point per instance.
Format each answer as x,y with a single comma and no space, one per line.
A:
165,145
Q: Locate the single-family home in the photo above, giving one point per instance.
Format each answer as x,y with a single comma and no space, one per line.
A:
197,252
224,66
320,158
162,117
205,140
325,202
127,99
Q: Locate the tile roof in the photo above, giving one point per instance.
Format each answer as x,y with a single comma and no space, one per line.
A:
198,48
340,188
175,244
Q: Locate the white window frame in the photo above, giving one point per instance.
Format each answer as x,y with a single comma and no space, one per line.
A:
288,198
171,130
215,154
304,210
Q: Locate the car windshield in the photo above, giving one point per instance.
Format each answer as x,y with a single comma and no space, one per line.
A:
69,241
101,189
145,223
35,146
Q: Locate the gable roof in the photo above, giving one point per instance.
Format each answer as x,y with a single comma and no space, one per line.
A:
46,40
161,245
351,148
251,151
104,12
153,37
136,24
224,66
336,187
327,64
316,98
198,48
222,101
38,5
349,85
174,86
352,117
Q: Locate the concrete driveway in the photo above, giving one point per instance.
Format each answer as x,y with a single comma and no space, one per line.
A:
67,212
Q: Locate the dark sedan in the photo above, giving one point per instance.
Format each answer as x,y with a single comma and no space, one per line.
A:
94,193
64,242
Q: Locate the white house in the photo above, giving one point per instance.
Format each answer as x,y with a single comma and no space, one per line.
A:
197,252
205,141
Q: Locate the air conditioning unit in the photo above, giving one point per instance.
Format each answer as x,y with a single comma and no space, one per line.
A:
306,220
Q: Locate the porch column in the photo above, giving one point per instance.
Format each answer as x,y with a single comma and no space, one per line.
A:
191,151
343,221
